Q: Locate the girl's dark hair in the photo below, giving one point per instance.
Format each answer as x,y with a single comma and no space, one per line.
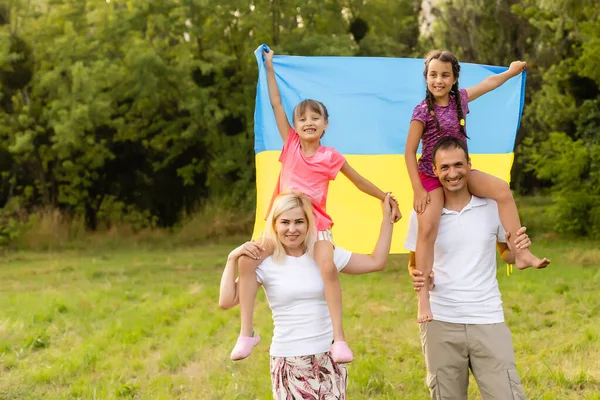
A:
444,56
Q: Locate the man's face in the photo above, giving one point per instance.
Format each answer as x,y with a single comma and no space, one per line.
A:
451,167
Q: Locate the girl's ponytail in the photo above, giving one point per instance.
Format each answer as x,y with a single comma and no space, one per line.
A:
430,102
459,110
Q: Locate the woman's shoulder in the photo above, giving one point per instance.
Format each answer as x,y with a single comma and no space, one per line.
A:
266,263
271,263
265,270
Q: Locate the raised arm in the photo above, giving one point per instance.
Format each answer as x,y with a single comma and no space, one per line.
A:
228,292
366,186
364,263
492,82
283,124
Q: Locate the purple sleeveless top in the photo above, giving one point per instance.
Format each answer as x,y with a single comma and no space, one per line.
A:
449,126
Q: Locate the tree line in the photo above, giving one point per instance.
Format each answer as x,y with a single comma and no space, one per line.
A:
142,109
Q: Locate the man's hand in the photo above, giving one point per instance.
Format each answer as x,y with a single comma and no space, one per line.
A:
522,241
419,280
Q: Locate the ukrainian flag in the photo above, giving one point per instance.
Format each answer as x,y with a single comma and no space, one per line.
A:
370,103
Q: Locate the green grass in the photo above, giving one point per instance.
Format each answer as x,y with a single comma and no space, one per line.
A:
144,324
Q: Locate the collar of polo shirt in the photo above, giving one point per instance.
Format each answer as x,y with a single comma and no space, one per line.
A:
475,202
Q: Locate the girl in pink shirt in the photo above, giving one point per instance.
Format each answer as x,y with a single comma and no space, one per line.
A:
443,113
306,166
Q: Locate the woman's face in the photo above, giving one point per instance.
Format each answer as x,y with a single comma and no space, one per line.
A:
291,227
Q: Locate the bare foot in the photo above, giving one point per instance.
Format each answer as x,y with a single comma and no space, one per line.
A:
525,259
544,263
424,309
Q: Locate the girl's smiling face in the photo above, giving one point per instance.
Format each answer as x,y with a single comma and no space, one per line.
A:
440,78
310,126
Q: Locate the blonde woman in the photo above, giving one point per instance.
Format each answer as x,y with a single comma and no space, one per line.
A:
301,365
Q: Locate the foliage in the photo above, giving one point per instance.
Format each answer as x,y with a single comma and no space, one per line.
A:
12,223
563,119
557,145
148,104
574,168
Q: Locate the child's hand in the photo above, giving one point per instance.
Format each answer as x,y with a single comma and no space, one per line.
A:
396,214
386,206
421,200
268,57
516,67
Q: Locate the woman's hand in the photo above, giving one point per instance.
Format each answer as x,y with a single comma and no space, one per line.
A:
421,200
250,249
387,207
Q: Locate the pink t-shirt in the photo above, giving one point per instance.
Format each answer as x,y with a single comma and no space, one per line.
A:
309,175
449,126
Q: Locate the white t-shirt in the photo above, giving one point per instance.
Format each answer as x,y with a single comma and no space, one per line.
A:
466,290
296,295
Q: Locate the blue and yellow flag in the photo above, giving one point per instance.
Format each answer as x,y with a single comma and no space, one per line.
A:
370,103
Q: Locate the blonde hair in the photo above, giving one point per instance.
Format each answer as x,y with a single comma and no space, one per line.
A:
284,203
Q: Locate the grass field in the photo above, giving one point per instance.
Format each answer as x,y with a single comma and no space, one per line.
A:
144,324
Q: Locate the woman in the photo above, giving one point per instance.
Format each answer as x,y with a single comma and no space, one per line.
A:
301,366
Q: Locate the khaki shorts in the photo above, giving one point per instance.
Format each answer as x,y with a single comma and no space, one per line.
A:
486,349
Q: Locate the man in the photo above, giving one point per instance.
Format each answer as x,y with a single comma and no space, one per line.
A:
468,329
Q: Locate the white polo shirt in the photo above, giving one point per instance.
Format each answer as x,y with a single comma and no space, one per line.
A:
296,295
466,290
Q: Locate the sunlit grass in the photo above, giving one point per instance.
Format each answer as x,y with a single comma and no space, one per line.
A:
144,324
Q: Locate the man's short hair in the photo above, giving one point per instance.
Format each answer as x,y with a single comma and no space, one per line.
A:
449,142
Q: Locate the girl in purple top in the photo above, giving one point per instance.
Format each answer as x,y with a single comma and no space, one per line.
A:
443,113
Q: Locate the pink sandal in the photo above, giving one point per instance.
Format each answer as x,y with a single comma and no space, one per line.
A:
243,346
340,352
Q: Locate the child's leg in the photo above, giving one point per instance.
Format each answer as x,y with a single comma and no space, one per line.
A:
247,289
333,290
247,292
485,185
429,222
333,295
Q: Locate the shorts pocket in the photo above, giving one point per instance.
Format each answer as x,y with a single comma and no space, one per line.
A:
515,385
434,388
